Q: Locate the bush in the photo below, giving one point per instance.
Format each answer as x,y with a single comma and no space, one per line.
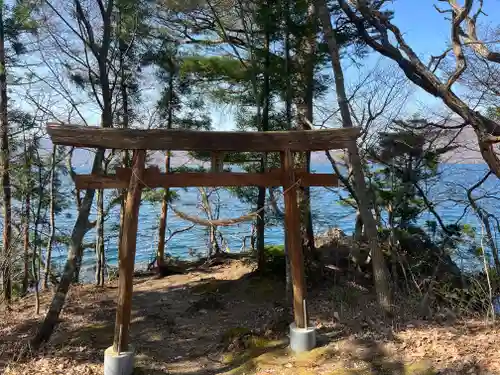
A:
275,260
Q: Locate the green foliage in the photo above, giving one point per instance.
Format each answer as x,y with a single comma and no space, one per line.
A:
275,261
408,159
273,251
17,21
493,113
214,69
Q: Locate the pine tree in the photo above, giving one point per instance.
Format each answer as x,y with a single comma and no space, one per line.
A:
179,107
14,22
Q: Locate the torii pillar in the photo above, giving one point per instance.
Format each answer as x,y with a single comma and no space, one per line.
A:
302,336
119,358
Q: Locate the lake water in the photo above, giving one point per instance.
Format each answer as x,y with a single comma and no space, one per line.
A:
448,193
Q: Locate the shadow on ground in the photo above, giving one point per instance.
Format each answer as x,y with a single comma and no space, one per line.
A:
189,328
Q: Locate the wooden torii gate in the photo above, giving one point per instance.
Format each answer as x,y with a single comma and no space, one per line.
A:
136,178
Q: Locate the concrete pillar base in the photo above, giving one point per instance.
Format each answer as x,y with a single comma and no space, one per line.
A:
302,339
118,363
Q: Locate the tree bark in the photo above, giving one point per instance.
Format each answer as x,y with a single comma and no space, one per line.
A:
99,247
123,195
379,267
306,59
26,240
52,220
260,228
214,248
26,217
261,198
81,227
125,125
485,221
288,112
358,228
160,254
5,172
37,256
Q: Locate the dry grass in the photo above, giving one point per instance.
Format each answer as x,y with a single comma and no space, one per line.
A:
182,325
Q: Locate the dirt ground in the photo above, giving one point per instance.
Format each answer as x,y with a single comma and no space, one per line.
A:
225,320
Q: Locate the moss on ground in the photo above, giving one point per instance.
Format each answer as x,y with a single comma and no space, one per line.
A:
211,286
315,357
235,332
268,355
250,352
420,368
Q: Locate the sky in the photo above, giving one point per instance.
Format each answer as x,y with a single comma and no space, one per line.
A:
425,29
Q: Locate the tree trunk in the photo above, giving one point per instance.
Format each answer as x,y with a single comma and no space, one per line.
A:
99,244
485,222
34,270
214,248
306,59
78,266
26,241
261,198
37,255
260,228
80,250
379,267
52,220
102,262
288,112
26,218
125,124
5,172
358,228
160,254
123,197
81,227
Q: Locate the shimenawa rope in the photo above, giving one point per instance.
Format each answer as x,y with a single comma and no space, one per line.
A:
220,222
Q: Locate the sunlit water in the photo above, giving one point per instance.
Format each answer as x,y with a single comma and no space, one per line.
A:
448,192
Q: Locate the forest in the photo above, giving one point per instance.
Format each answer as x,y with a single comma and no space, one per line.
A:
403,252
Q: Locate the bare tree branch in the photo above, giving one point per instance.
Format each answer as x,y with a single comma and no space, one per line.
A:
420,74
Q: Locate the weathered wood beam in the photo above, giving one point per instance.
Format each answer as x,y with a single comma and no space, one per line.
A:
152,178
190,140
127,254
293,242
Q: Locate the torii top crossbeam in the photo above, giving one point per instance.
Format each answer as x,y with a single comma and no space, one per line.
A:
191,140
137,177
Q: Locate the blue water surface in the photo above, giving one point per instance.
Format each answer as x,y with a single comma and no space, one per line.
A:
448,193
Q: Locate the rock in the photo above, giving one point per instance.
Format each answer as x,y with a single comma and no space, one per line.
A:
329,237
335,247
